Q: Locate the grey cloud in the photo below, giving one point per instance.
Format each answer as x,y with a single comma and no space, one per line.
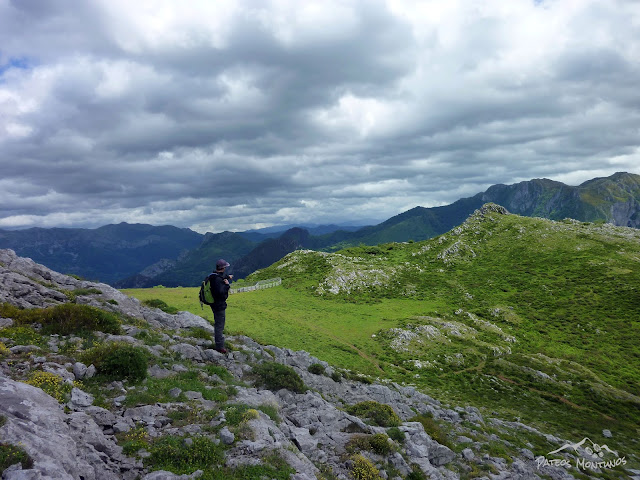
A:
252,129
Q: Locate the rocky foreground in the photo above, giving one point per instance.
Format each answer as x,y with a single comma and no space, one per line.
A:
311,433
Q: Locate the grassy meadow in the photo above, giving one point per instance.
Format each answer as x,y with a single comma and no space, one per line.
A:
536,320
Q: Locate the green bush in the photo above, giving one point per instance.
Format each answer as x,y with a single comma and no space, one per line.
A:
175,455
363,469
377,443
22,335
416,474
70,318
316,369
65,319
378,413
272,467
432,429
134,440
396,434
12,454
239,413
199,332
50,383
220,371
271,411
157,303
275,376
72,295
118,360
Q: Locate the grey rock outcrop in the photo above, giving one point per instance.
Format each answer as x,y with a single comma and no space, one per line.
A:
62,446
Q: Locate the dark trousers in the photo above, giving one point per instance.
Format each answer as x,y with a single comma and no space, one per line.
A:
219,317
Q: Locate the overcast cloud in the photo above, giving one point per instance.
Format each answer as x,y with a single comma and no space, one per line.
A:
236,114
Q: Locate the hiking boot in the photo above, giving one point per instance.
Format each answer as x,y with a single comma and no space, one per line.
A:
221,350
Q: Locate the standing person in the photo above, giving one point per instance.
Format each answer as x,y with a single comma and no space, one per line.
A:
220,284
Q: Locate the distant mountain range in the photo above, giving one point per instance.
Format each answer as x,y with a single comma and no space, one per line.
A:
107,253
137,255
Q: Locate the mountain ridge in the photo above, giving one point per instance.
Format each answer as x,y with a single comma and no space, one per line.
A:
119,260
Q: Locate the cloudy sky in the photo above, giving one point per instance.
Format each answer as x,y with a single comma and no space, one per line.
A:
236,114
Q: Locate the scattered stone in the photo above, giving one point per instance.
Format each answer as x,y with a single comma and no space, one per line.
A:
158,372
6,322
226,436
80,398
91,372
79,370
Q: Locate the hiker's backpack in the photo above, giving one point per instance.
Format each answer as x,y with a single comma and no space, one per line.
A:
206,295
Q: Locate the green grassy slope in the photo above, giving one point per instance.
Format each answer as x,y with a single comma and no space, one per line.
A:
536,319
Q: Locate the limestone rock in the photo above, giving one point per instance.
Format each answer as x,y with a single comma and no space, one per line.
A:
62,447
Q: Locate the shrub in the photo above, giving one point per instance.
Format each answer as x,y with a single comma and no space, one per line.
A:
12,454
271,411
363,469
272,467
275,376
157,303
118,360
377,443
176,455
23,335
239,413
396,434
73,294
316,369
199,332
69,318
378,413
220,371
50,383
416,474
134,440
432,429
63,319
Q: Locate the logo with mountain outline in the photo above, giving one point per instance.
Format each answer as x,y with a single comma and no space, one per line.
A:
591,456
592,449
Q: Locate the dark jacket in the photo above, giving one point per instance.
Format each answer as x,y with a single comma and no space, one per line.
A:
220,290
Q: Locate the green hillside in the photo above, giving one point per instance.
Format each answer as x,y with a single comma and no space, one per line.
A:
536,319
516,310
